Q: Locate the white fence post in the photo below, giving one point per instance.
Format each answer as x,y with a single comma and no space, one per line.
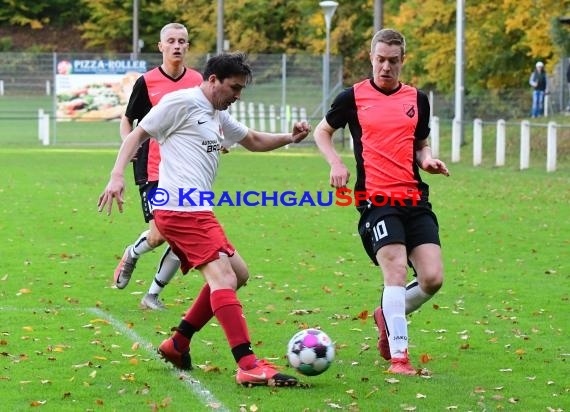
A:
43,127
1,87
303,113
241,113
477,142
434,136
261,109
525,145
456,141
500,151
294,115
551,147
272,118
40,128
251,115
48,88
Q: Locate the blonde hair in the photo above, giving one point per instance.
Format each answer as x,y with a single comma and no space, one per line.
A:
176,26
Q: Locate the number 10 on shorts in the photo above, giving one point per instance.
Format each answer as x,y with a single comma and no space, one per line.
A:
379,231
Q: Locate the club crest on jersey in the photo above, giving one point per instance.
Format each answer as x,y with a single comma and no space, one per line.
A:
410,110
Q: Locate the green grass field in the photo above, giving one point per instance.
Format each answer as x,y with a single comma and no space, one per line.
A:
494,338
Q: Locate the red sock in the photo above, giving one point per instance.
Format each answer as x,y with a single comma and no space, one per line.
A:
200,312
198,315
227,309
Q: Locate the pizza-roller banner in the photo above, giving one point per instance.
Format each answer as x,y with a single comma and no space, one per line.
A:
95,89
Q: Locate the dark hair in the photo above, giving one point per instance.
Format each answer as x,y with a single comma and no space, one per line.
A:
226,65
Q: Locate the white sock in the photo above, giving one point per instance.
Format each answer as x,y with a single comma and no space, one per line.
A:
141,246
167,268
415,296
393,308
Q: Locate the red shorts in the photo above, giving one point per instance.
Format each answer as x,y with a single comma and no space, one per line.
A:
196,237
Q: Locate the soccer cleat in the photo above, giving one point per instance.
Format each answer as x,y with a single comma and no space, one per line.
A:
383,344
402,366
264,373
124,269
170,353
151,301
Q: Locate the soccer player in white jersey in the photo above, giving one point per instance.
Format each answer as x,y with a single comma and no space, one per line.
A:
191,125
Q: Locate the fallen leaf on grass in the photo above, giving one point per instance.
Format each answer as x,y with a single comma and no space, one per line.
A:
37,403
425,358
97,320
128,377
373,391
363,348
82,365
363,315
211,368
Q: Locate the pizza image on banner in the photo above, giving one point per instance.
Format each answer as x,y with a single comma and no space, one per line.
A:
92,90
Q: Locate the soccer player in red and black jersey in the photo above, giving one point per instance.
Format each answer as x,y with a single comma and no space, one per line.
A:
147,91
389,124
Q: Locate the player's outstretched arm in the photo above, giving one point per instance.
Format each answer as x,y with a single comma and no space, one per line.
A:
116,185
256,141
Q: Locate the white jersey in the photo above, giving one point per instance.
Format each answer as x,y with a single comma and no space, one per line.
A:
190,133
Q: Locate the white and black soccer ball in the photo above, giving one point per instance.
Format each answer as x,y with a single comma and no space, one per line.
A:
310,352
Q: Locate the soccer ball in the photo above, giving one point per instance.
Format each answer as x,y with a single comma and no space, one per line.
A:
310,352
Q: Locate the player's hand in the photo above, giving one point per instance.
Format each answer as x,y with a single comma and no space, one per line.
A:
113,192
434,166
339,175
300,131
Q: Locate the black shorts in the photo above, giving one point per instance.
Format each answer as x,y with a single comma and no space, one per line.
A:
409,224
146,205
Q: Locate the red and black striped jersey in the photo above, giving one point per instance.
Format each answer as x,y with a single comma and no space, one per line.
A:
384,127
147,92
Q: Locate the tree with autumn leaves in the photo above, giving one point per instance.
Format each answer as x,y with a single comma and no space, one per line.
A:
503,39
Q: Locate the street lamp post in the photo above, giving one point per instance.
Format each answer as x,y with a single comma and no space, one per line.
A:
329,8
136,41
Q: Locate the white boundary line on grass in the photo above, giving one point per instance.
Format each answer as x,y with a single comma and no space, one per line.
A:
201,392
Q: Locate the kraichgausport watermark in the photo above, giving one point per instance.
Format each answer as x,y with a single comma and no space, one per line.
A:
253,198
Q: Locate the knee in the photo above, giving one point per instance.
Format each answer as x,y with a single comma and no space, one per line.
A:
242,276
154,239
431,281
